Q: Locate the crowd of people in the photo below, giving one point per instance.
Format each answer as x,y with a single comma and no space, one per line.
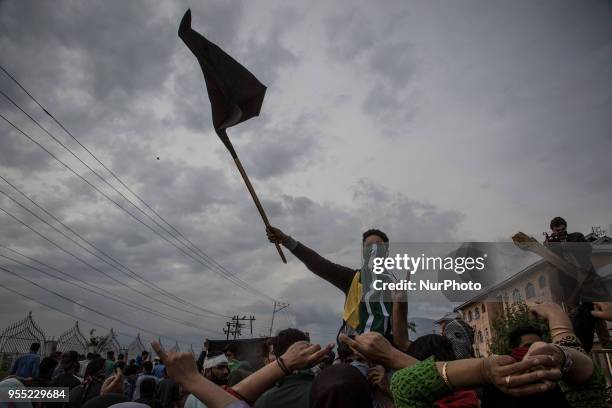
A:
92,380
373,364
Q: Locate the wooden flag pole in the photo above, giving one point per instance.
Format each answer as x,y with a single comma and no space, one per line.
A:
264,217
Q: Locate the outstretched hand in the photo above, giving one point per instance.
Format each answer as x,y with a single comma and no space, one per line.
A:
547,310
523,241
373,346
532,375
113,384
603,310
275,235
181,366
305,355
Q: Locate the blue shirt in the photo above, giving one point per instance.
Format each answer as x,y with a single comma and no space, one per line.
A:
26,366
158,370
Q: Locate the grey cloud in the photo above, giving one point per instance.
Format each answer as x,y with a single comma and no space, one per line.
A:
541,117
15,150
388,62
406,220
267,57
278,150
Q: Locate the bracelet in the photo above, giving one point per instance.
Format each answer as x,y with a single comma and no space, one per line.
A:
572,342
445,376
561,327
282,365
568,362
560,333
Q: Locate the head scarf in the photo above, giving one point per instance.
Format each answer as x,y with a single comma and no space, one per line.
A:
461,336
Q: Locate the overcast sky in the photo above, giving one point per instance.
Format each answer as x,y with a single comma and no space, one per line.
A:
432,120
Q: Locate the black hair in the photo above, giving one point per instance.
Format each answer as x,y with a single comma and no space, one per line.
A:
265,347
344,351
94,366
90,356
147,366
376,232
110,354
145,353
432,345
231,347
130,370
35,346
147,388
121,365
285,338
46,367
516,334
557,222
121,356
69,360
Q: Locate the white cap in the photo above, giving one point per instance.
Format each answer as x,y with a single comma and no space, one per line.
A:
215,361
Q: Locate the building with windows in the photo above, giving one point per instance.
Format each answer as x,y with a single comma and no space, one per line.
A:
537,282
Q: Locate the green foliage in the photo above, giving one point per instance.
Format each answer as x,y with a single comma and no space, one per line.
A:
514,316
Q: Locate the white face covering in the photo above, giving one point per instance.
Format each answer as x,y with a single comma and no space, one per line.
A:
376,250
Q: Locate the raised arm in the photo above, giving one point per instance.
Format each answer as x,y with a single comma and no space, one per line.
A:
533,375
399,321
603,310
181,367
559,323
299,355
338,275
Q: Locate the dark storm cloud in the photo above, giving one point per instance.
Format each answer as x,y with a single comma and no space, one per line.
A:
83,43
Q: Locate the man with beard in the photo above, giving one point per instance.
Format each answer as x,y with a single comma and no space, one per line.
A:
215,369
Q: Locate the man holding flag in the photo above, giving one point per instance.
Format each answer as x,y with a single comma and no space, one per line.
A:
364,309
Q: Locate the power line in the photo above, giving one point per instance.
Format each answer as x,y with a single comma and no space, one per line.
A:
108,294
142,280
118,205
80,305
68,314
198,250
93,267
91,170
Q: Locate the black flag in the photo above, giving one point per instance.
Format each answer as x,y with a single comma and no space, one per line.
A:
235,94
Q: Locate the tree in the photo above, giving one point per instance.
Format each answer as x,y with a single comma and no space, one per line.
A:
515,315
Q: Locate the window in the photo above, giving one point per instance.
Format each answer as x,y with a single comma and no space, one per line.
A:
483,308
470,316
530,290
486,333
542,282
477,313
500,299
480,340
516,296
